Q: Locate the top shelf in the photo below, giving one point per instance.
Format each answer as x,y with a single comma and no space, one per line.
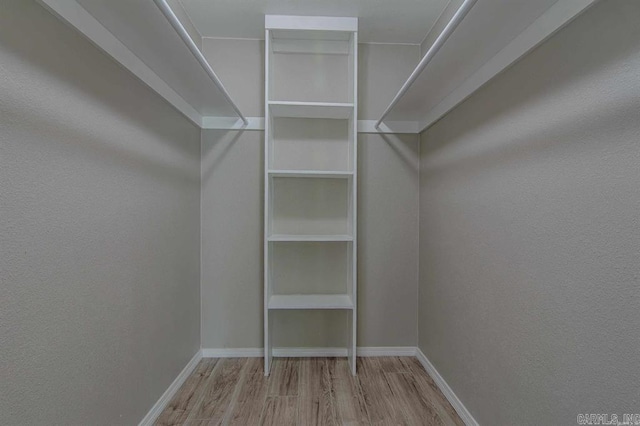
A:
311,109
315,35
310,23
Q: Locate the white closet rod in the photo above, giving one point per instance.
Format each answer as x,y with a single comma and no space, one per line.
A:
433,50
177,25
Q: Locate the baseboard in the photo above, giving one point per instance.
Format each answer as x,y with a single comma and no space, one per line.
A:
370,351
366,351
157,408
462,411
232,352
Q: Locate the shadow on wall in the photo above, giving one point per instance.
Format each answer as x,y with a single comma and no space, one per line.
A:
404,151
214,152
232,229
388,170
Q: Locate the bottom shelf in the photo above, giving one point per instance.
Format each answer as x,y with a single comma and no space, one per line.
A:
310,301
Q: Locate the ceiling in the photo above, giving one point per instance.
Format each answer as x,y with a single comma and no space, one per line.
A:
381,21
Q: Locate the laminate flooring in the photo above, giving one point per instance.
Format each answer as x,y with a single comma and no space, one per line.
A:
309,391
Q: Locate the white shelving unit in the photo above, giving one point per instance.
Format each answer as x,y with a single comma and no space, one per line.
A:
310,169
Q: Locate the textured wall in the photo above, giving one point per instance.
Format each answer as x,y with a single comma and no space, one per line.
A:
530,231
232,191
99,231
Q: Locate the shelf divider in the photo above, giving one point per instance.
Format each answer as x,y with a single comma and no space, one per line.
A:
326,174
311,301
294,237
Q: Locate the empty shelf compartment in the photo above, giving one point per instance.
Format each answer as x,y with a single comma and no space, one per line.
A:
304,206
310,144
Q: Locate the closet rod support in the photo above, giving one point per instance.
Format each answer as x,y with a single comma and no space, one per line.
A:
177,25
433,50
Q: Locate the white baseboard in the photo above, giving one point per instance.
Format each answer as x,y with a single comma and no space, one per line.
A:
369,351
232,352
462,411
309,352
160,405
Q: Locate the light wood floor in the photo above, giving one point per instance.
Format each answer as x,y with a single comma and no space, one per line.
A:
309,391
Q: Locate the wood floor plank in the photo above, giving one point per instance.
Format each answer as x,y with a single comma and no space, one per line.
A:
177,411
348,400
411,406
216,399
252,394
377,394
279,411
284,378
315,405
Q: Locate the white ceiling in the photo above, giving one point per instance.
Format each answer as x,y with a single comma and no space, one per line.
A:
381,21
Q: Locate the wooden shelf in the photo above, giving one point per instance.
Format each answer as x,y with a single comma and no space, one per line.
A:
311,109
290,237
311,301
331,174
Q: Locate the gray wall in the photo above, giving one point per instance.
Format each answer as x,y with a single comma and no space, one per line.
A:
530,231
99,231
232,191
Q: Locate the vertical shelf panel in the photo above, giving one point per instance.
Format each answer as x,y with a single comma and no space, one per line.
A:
267,320
353,207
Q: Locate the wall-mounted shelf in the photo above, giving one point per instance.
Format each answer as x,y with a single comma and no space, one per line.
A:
136,35
476,52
